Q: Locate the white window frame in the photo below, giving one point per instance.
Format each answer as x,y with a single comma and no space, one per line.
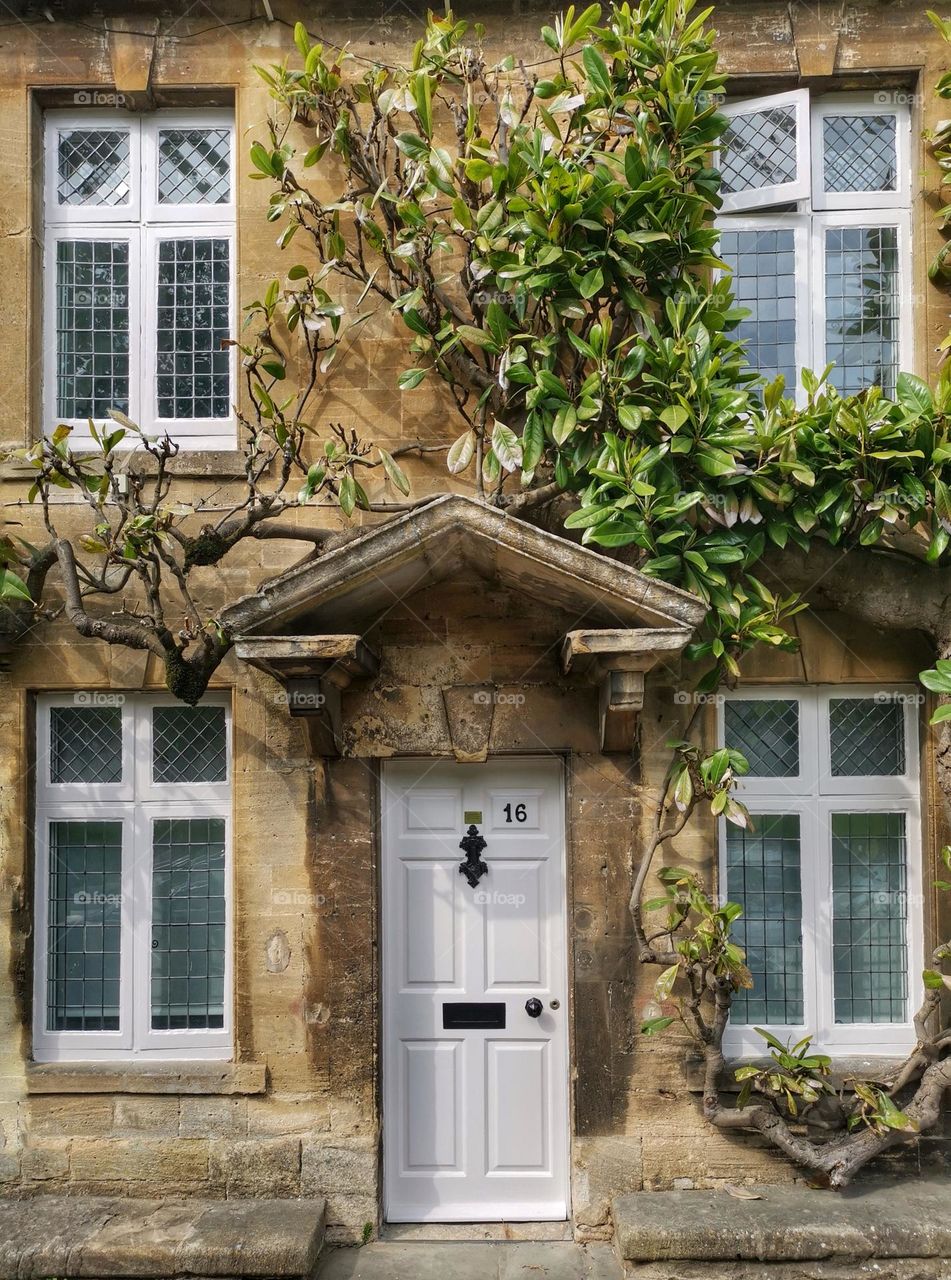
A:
778,192
818,210
142,222
137,802
815,795
852,104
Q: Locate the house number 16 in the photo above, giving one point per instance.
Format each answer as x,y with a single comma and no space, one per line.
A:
521,813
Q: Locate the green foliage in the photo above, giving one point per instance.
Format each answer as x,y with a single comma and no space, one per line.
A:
694,776
938,680
874,1109
795,1076
940,140
701,930
548,246
554,240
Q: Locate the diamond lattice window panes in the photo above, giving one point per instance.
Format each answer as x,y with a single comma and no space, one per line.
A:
194,166
759,150
189,744
85,744
866,737
766,731
93,167
859,153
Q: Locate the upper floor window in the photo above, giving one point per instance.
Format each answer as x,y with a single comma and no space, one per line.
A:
133,900
815,227
139,272
829,875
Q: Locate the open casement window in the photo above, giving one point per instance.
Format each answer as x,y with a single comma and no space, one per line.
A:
764,154
829,876
139,273
133,897
815,228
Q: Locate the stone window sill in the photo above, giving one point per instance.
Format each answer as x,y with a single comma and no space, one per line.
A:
227,464
861,1068
170,1078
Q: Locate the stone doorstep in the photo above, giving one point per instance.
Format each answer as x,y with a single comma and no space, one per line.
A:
878,1220
103,1236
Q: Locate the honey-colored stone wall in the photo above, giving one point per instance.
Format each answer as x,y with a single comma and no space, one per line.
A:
299,1111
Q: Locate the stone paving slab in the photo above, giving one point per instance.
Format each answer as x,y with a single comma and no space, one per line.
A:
535,1260
98,1236
885,1220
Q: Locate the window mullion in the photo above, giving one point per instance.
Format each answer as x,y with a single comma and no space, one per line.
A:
819,923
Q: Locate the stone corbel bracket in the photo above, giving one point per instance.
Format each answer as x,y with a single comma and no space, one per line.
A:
314,670
616,661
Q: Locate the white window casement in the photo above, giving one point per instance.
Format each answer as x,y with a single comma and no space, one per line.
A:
132,956
139,273
815,226
829,877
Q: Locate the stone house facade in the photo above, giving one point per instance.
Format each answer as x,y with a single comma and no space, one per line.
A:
334,1011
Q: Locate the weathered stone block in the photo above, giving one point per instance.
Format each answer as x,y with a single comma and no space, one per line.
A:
599,1166
158,1116
44,1162
64,1116
213,1117
155,1162
328,1170
274,1116
348,1216
266,1167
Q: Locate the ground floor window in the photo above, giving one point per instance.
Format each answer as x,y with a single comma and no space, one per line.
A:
133,900
829,876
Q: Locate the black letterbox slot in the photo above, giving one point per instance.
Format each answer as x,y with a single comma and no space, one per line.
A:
462,1014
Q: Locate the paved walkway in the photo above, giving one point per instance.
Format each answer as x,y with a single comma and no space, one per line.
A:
535,1260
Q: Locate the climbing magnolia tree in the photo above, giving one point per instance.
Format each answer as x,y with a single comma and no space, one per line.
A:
541,236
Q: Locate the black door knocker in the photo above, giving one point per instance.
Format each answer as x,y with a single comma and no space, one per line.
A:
472,845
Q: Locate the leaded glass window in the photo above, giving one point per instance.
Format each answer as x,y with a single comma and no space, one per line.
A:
194,166
815,231
859,153
759,150
92,327
85,744
828,873
866,737
763,267
766,731
132,880
139,303
862,307
188,923
83,941
870,959
764,874
193,317
188,744
93,167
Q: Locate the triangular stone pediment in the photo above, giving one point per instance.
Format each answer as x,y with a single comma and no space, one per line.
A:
348,587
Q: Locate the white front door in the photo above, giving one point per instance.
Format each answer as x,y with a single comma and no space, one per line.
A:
475,1088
